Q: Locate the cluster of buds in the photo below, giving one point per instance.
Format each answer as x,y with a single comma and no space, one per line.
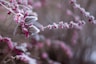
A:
21,54
62,25
23,15
16,51
82,10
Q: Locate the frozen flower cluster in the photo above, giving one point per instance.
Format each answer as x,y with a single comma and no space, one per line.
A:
12,51
23,15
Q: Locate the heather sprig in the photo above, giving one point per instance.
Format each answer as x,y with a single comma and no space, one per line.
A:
91,18
16,51
65,25
23,15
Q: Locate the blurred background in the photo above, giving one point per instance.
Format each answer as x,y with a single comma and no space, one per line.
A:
82,42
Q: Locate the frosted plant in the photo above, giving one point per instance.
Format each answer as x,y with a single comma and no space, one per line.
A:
23,16
42,49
